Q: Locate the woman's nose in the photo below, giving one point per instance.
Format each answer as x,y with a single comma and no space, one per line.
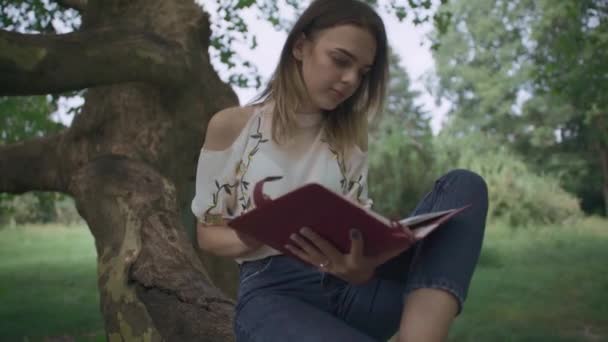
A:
351,77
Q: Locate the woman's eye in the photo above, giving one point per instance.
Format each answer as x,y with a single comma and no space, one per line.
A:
341,62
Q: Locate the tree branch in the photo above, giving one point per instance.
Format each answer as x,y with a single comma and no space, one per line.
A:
77,5
42,64
31,165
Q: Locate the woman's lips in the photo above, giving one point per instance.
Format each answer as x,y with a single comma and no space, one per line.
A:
337,93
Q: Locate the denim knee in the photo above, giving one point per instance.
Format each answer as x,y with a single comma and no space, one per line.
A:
466,177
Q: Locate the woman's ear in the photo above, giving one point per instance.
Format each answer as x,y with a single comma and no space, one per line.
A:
298,47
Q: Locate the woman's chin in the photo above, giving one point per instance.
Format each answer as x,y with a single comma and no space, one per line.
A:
328,104
329,107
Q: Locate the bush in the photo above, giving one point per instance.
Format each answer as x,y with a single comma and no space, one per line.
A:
19,209
66,212
401,172
517,195
38,207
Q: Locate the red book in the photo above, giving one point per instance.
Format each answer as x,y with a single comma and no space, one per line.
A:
331,216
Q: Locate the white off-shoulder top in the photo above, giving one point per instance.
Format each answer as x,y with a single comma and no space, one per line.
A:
225,179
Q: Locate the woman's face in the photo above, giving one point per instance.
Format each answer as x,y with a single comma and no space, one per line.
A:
333,64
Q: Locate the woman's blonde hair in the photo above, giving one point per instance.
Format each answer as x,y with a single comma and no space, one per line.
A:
346,125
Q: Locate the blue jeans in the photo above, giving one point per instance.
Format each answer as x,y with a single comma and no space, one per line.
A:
282,299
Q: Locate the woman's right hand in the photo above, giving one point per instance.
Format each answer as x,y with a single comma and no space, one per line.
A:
353,267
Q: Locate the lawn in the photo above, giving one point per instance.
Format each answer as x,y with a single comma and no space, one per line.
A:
48,284
542,284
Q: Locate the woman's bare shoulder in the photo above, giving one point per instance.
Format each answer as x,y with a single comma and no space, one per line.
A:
225,127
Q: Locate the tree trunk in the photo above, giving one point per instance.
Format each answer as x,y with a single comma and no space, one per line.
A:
129,158
151,282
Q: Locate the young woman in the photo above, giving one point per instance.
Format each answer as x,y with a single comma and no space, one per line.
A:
310,125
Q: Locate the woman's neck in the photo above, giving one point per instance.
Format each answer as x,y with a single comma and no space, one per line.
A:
308,108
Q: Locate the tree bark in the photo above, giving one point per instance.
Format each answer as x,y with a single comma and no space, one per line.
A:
129,158
42,64
31,165
77,5
152,284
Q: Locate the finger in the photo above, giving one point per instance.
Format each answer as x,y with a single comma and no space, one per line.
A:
356,243
408,232
309,248
299,253
406,229
322,245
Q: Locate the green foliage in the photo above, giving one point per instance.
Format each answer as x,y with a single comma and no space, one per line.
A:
481,65
35,16
25,117
400,149
22,209
22,118
531,73
572,54
37,207
517,195
401,172
571,64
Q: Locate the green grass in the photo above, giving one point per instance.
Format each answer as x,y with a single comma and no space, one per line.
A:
542,284
48,284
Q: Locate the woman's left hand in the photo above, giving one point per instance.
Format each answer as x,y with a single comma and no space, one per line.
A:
354,267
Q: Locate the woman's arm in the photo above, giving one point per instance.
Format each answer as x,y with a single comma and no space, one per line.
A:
223,241
219,239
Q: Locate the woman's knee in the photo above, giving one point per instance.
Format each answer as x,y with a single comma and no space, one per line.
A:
470,181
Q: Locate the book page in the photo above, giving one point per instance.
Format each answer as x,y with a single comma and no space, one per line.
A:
424,217
422,232
413,219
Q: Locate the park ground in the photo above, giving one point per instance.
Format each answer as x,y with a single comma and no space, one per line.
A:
532,284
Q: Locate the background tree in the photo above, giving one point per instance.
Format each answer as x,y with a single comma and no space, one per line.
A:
571,75
401,155
531,74
22,118
129,157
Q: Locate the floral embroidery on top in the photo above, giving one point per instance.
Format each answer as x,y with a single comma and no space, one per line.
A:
240,171
346,184
352,183
341,165
217,218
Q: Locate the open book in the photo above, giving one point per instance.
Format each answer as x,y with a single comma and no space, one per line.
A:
330,215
